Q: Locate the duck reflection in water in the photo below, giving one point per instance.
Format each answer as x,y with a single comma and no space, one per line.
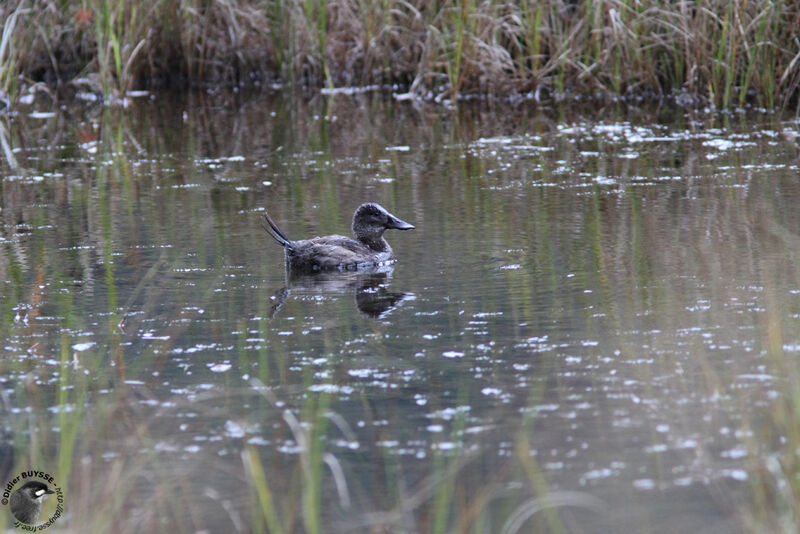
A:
339,264
370,290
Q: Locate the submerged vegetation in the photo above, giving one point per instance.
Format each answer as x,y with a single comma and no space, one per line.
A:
705,51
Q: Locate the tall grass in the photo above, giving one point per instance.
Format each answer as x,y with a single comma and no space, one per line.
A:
7,55
708,51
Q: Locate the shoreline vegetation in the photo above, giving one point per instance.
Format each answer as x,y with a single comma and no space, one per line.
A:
699,53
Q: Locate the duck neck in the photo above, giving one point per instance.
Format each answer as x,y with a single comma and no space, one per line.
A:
378,244
374,240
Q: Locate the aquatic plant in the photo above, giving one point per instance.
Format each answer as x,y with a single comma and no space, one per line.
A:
7,56
704,52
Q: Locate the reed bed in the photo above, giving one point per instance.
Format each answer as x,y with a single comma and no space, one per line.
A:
703,52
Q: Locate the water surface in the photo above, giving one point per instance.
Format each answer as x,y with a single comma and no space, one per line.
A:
592,328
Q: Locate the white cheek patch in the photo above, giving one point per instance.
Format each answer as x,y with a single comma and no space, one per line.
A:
39,493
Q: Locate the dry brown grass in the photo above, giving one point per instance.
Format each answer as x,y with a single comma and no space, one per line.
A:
707,51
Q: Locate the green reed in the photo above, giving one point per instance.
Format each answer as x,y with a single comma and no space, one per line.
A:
7,54
316,16
309,428
264,495
530,49
453,38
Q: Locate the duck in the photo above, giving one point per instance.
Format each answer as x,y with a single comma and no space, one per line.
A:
367,249
26,502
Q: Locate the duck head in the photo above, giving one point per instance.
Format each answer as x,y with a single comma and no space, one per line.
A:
370,221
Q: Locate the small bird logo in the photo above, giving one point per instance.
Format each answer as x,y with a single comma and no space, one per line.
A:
26,502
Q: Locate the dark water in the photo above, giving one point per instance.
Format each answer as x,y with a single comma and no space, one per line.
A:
593,328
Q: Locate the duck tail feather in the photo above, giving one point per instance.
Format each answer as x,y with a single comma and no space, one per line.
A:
275,232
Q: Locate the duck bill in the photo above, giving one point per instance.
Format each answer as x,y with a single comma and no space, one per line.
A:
398,224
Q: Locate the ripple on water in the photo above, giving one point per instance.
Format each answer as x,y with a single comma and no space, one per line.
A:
607,298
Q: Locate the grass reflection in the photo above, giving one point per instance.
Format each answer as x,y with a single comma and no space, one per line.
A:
599,320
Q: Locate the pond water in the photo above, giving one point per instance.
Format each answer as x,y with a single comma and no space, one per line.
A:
593,328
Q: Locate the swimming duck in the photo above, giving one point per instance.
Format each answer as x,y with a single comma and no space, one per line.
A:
336,252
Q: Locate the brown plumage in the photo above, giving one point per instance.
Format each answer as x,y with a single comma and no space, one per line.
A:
337,252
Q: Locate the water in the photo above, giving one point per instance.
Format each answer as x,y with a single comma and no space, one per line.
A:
592,328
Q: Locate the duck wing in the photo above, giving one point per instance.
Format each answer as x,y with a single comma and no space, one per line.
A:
333,252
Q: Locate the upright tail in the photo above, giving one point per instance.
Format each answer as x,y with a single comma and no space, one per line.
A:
275,232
